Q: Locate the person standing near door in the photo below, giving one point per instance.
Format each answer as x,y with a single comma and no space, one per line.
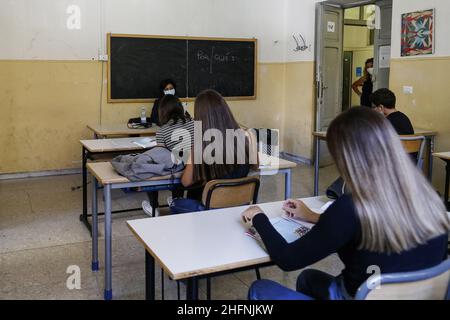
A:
366,83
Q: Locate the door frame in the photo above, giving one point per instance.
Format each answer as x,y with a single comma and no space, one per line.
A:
319,53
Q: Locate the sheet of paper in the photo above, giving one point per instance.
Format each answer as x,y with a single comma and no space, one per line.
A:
385,57
145,142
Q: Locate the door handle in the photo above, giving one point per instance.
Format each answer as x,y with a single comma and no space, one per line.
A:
322,88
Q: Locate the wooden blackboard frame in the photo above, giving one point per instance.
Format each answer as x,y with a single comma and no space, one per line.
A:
184,99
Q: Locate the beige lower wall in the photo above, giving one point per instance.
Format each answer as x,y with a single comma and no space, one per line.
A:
299,110
429,106
44,109
45,106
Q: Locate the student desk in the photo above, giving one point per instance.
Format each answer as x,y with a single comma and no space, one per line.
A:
193,246
203,244
445,156
104,174
103,148
108,130
322,136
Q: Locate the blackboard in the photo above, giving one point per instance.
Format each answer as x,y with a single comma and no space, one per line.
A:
137,64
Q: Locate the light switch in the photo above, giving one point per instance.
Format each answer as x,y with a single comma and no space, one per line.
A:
408,90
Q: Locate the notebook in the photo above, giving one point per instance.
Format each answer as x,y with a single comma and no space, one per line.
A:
290,229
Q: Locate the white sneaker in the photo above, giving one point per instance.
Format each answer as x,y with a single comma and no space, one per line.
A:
148,209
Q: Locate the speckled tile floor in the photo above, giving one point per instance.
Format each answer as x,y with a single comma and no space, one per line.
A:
41,236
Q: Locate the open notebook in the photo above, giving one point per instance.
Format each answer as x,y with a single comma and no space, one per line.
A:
291,229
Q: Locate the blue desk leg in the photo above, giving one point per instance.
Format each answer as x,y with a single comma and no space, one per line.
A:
316,166
108,240
149,276
94,225
287,184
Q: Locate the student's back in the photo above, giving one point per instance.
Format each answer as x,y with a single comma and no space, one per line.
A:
216,118
384,101
210,156
342,216
176,135
393,220
177,127
401,123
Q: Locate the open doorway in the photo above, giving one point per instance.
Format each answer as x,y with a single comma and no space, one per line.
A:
344,41
358,55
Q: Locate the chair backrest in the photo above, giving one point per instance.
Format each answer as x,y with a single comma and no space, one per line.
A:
429,284
414,145
230,193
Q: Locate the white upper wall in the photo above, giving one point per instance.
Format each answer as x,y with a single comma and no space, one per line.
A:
37,29
300,16
442,24
261,19
32,29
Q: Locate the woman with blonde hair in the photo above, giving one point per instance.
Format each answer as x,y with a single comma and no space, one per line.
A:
393,219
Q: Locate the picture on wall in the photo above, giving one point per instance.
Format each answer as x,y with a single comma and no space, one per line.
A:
417,33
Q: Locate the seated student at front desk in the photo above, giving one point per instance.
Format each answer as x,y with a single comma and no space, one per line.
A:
384,101
398,224
174,123
166,87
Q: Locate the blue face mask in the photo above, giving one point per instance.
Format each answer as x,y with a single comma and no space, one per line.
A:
171,91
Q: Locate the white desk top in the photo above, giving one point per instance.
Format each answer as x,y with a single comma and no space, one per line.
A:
120,130
111,145
418,132
442,155
105,173
205,242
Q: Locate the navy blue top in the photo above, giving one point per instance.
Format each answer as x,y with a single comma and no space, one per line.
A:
367,90
339,230
401,123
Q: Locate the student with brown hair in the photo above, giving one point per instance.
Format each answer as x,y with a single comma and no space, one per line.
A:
216,155
175,134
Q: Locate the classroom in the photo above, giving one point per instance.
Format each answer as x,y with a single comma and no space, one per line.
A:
224,150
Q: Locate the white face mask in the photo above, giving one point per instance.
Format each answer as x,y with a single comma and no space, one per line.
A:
171,91
370,71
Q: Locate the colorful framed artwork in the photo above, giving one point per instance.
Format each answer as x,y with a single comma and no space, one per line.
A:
417,33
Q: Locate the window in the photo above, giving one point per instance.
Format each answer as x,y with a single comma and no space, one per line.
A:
358,16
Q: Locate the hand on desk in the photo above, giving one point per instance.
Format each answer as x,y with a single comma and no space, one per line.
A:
298,209
249,214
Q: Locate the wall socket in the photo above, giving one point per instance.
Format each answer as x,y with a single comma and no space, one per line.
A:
408,90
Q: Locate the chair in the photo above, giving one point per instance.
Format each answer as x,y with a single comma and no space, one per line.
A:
428,284
414,146
230,193
226,194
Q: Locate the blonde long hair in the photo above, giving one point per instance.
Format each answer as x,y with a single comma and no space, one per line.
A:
397,207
